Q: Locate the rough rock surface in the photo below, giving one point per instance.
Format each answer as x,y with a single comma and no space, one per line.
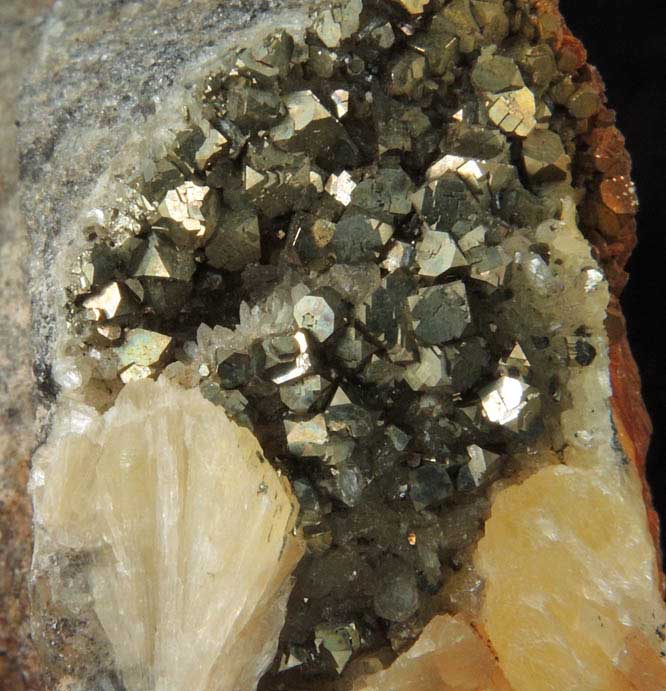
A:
19,26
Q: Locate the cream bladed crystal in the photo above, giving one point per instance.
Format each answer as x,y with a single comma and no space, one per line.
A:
192,530
585,614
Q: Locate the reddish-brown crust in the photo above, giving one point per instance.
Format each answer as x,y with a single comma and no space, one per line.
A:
602,166
630,416
602,172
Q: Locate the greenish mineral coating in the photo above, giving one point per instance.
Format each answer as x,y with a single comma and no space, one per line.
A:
326,250
162,259
142,347
438,253
302,395
440,314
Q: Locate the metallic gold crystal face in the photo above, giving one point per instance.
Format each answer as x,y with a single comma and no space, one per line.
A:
343,248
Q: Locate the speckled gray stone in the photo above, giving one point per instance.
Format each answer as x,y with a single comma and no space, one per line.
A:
19,664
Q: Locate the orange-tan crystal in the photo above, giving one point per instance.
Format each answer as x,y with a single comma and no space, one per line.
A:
571,585
448,656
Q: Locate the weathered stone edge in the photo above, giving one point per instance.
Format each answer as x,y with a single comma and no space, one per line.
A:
608,208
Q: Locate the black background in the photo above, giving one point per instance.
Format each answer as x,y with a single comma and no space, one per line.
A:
626,41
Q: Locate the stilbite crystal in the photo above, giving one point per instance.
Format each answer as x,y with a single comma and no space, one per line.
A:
189,531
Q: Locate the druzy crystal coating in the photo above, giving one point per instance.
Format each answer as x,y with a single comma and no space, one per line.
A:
335,251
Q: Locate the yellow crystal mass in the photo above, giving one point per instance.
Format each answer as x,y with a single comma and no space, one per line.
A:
571,594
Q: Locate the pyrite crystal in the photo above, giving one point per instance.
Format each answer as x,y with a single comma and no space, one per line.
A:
347,270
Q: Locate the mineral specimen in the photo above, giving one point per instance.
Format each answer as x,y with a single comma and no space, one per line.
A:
373,206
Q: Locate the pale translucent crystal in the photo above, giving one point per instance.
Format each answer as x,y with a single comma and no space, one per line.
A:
274,315
448,655
194,530
70,373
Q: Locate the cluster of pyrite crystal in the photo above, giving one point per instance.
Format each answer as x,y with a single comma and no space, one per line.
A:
323,252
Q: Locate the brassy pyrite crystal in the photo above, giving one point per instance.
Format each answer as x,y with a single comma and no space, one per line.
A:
334,374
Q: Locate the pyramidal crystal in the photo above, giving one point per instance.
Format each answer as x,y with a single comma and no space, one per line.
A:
189,532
